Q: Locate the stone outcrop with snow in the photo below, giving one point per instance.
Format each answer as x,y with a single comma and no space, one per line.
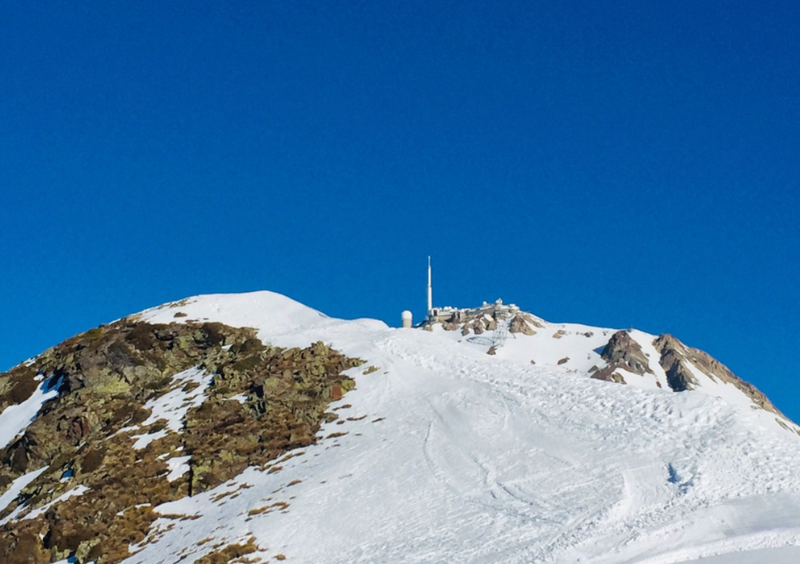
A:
620,356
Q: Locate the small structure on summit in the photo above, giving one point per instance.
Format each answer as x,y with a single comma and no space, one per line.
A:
430,288
497,310
497,317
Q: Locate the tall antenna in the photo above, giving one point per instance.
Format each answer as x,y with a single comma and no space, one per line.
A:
430,288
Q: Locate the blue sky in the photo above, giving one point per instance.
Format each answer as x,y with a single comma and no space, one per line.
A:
611,163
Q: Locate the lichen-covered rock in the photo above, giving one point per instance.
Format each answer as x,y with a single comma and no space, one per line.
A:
85,435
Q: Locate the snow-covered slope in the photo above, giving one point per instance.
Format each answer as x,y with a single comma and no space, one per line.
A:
629,357
452,455
443,454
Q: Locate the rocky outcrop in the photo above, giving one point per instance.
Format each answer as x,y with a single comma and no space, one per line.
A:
260,403
485,318
519,324
683,366
479,325
675,359
622,352
673,355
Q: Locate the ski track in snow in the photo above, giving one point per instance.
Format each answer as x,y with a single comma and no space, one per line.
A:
464,457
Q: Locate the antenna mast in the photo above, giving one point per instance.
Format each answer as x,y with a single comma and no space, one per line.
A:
430,289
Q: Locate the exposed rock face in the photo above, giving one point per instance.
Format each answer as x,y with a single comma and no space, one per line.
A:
519,324
679,376
451,324
622,351
675,356
260,402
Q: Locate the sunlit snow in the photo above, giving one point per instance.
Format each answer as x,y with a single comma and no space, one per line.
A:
178,466
454,455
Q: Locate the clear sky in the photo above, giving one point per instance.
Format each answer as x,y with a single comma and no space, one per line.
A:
612,163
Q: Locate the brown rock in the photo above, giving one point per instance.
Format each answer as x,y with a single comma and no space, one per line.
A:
519,324
607,374
675,356
623,351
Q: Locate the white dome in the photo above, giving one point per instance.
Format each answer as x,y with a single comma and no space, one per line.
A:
406,315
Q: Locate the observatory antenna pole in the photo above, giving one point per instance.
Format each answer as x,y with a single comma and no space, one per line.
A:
430,289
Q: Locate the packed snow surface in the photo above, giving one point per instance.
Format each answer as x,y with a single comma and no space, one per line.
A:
784,555
452,455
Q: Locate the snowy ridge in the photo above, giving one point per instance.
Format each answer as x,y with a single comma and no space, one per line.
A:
577,349
449,454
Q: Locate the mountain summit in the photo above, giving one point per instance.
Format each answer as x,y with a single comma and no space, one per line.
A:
251,428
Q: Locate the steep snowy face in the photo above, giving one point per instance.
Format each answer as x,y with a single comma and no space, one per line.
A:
194,432
628,357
